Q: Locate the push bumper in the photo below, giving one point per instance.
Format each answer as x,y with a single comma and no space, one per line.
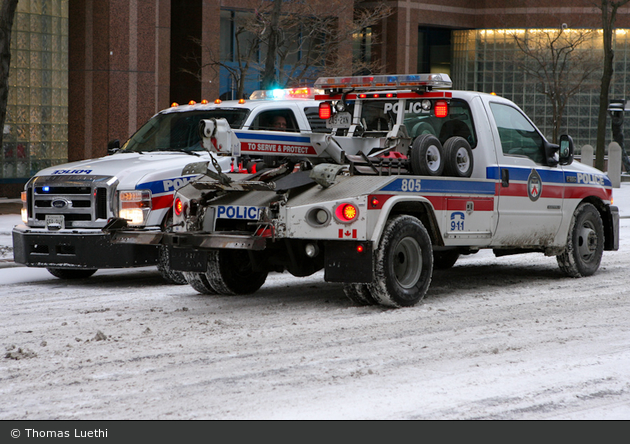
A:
216,240
77,249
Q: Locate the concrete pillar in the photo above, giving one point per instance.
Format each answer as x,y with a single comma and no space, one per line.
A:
112,73
587,155
614,164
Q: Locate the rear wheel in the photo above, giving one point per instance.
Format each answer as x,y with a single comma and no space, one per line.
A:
585,243
403,264
164,267
231,272
427,156
71,273
199,282
359,294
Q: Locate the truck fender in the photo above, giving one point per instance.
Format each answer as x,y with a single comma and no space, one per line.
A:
417,206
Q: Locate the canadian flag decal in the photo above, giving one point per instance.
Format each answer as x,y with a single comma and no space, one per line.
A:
347,233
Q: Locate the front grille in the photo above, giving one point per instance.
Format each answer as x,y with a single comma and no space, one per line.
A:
101,203
82,201
67,216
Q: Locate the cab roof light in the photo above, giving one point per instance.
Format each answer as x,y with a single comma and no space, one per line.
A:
284,94
397,81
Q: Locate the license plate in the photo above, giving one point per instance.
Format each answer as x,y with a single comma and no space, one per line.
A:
188,260
339,120
55,222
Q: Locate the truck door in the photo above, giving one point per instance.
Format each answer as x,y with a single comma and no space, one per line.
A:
530,193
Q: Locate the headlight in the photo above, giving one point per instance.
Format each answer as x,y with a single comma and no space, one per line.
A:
134,206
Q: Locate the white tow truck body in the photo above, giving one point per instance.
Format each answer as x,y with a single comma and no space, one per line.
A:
411,176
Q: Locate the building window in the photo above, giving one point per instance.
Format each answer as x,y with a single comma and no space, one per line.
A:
484,60
35,133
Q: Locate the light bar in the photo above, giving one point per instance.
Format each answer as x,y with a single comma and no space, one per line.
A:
284,94
397,81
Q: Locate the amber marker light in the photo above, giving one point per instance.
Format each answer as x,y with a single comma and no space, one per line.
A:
217,101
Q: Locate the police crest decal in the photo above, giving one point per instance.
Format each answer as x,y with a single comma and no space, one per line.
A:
534,186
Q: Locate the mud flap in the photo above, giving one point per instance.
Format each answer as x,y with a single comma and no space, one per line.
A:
348,261
611,229
185,259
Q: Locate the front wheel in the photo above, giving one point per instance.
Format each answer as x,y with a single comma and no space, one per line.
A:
71,273
585,243
403,264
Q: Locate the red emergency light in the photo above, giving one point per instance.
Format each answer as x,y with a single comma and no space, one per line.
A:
325,110
441,109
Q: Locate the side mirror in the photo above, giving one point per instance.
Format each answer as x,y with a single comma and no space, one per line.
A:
113,146
566,150
551,153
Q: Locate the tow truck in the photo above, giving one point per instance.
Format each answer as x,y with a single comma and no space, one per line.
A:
411,175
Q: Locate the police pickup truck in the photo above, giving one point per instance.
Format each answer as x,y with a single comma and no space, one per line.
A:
411,176
68,209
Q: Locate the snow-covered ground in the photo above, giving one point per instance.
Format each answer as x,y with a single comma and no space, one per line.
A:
495,338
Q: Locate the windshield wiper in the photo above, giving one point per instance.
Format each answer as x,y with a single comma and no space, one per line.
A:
190,153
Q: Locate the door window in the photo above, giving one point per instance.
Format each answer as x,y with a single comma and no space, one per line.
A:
518,136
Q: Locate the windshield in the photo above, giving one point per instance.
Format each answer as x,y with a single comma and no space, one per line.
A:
179,131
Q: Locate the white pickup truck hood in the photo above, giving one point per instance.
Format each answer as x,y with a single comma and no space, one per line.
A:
132,169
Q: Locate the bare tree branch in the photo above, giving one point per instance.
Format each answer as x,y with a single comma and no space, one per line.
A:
298,42
561,62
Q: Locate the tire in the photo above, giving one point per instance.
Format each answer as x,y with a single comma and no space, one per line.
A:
71,273
427,156
403,264
443,260
359,294
458,157
199,282
585,243
164,267
230,272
